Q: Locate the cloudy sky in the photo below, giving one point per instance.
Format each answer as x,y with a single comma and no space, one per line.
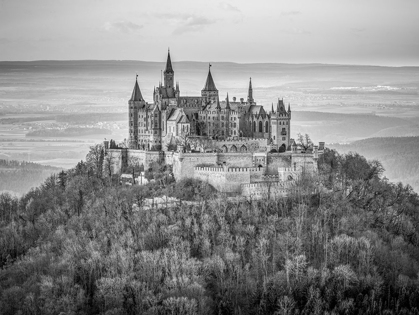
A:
378,32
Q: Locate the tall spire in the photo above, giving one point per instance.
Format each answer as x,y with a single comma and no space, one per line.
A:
136,93
250,92
289,107
272,108
169,68
209,84
228,103
218,104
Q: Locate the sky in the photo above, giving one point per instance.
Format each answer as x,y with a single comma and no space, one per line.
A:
374,32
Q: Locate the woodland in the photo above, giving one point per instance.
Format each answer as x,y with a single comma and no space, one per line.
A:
345,241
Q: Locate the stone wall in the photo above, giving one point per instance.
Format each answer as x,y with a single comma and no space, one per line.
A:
242,144
236,159
276,160
184,163
265,190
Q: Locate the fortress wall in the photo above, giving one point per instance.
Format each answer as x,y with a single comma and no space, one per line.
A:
304,160
251,144
223,179
236,159
265,190
184,163
276,160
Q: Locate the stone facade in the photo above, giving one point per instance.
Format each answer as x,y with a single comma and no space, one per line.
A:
238,147
153,125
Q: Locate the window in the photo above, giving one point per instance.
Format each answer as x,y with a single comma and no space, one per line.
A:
283,138
222,117
266,127
260,126
222,125
254,126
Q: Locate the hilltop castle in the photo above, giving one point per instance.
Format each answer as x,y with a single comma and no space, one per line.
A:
172,115
236,146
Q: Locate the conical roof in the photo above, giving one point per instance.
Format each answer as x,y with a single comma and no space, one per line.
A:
136,93
209,85
169,68
227,103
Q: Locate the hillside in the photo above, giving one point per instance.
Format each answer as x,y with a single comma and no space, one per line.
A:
83,244
19,177
399,156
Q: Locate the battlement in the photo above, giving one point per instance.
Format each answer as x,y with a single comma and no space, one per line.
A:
229,169
260,185
240,139
286,169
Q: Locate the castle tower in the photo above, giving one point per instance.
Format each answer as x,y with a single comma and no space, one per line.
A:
209,91
281,126
169,74
135,103
250,99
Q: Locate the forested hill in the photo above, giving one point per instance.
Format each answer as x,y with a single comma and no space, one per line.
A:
399,156
20,176
83,244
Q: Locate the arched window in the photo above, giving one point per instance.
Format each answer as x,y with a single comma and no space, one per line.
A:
254,126
243,148
233,148
266,127
260,126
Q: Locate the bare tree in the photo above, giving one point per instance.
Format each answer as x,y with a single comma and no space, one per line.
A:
304,141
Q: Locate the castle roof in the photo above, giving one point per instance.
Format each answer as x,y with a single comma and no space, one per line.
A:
280,108
183,120
136,93
209,84
169,68
167,92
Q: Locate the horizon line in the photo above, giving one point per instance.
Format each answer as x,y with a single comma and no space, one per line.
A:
215,62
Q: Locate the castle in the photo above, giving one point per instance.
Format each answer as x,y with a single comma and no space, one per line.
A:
236,146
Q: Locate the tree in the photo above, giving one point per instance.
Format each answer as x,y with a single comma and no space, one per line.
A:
304,141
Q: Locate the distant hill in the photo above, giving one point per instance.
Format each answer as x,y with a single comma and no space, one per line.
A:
19,177
337,127
399,156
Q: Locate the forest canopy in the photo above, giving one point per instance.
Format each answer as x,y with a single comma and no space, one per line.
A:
81,243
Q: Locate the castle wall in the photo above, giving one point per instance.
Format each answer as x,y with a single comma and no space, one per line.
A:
265,190
276,160
184,163
236,159
304,161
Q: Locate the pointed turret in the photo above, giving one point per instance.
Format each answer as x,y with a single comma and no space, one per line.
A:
136,93
289,108
272,110
250,93
209,92
227,103
209,84
169,73
218,105
169,68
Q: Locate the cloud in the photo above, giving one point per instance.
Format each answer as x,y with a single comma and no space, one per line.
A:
289,13
122,26
228,7
184,22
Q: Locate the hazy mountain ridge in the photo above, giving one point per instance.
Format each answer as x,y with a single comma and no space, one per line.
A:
399,156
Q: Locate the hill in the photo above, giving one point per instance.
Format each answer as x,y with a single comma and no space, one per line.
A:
82,244
399,156
19,177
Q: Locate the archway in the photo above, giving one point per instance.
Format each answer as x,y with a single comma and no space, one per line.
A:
282,148
224,149
233,148
243,148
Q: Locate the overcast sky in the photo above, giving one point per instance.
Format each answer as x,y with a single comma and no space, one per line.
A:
378,32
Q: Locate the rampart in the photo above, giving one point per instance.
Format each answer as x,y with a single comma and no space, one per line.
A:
265,189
